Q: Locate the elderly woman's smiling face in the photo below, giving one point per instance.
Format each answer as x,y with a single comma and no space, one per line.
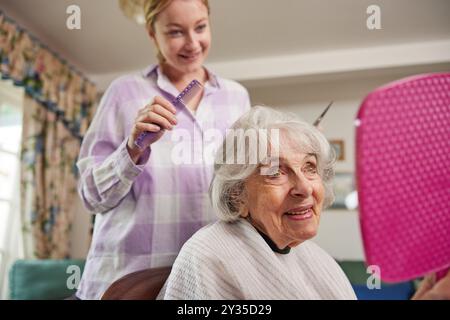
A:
286,205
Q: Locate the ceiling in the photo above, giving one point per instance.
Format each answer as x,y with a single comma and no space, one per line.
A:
242,29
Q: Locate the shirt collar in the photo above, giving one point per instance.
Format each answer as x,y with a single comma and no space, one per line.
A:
270,242
164,83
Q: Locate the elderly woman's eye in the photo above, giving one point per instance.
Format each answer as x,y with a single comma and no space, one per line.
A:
311,168
274,173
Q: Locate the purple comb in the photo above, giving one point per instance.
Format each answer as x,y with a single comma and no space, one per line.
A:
183,98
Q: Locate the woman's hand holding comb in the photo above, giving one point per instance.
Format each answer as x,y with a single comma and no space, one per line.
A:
154,118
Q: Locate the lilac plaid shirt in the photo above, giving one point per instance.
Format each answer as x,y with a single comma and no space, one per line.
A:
147,211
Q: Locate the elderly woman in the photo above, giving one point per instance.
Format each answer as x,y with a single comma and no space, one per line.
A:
269,211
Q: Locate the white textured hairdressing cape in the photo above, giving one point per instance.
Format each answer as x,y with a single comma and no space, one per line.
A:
232,261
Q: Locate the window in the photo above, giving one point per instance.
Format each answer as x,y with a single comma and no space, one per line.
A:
11,99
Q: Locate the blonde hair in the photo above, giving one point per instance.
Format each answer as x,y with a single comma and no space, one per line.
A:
151,10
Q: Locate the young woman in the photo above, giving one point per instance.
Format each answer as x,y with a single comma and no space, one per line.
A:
147,201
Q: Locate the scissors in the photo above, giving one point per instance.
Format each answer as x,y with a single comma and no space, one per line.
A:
319,119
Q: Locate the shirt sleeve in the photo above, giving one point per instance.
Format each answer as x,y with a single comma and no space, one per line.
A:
106,169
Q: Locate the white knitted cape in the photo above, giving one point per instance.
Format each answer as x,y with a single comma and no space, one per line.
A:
232,261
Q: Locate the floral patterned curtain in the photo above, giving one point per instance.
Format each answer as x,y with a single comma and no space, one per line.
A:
59,105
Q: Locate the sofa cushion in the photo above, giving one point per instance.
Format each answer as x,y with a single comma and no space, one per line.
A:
398,291
44,279
356,272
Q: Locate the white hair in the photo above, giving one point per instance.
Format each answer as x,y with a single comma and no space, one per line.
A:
227,186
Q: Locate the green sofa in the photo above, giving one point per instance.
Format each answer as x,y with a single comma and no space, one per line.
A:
49,279
356,273
44,279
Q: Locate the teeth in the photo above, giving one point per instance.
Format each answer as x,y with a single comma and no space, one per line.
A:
298,212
